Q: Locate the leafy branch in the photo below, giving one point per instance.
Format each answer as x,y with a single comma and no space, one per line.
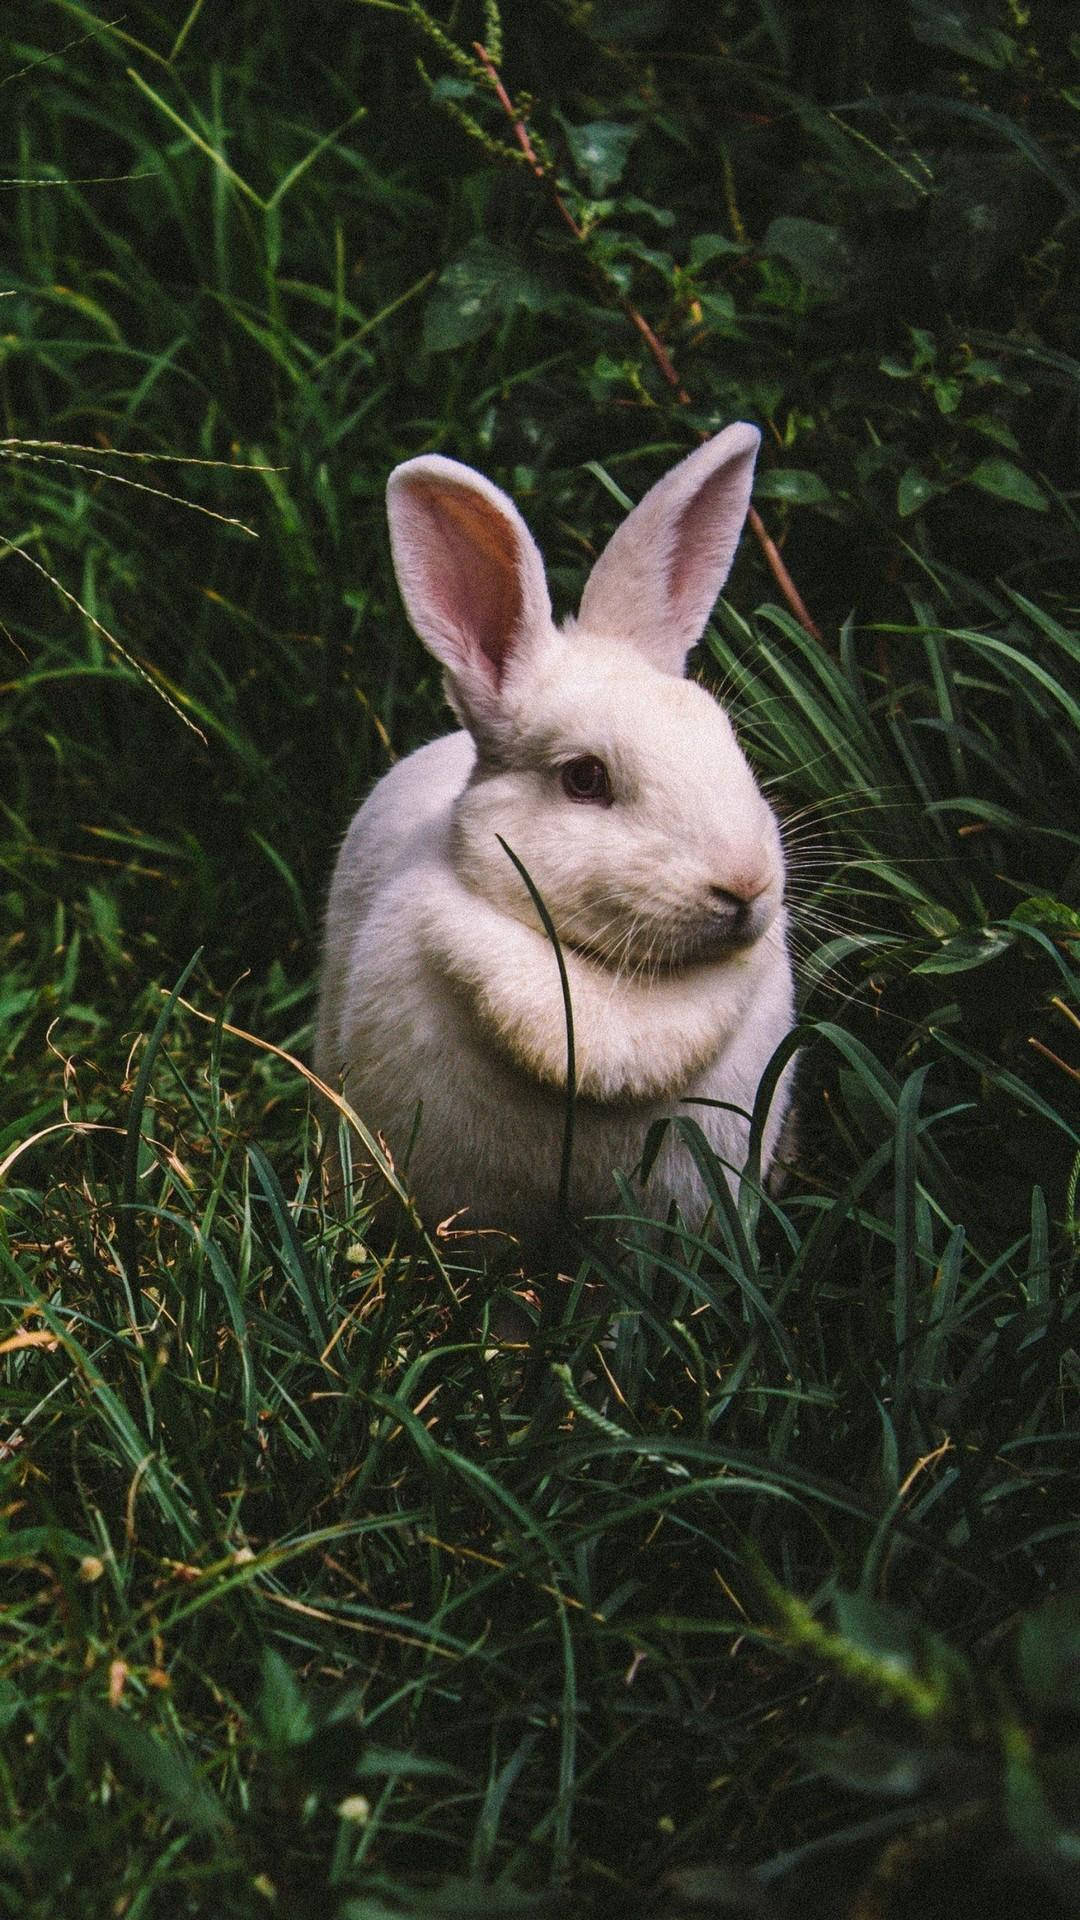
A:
544,174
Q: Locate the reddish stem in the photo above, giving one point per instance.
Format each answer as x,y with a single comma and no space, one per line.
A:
655,346
781,575
521,134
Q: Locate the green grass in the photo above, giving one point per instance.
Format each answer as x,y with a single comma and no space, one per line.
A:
745,1581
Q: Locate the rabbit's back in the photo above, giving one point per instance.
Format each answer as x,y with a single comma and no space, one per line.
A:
400,824
401,828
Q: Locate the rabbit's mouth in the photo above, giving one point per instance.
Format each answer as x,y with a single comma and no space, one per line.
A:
738,920
716,937
657,949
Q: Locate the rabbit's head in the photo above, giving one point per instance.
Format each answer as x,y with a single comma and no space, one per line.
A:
618,783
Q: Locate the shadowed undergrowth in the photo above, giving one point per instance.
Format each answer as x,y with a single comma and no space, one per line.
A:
740,1578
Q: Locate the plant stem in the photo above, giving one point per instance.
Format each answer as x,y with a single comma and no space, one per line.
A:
655,346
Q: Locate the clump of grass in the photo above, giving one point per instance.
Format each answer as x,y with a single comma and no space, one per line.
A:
741,1579
350,1590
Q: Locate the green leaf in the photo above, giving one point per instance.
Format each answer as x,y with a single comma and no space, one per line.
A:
967,950
161,1767
925,354
718,305
105,921
1042,910
938,920
892,1640
952,27
797,485
606,374
631,203
818,253
993,429
947,394
705,247
881,1631
90,309
474,291
283,1711
451,86
600,150
1033,1820
989,373
1008,482
613,244
913,491
1048,1654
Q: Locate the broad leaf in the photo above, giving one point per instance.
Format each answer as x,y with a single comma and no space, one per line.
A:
1010,483
795,484
1048,1655
818,253
913,492
600,150
474,291
967,950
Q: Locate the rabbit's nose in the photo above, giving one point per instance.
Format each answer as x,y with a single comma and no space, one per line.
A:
737,915
732,910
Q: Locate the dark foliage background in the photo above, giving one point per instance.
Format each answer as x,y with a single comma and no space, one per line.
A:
747,1583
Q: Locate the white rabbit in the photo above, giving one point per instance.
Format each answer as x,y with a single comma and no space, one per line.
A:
621,788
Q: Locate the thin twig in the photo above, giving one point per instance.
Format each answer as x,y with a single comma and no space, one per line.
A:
1073,1072
655,346
781,575
522,137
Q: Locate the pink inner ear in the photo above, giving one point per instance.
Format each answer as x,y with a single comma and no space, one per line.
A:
706,535
471,571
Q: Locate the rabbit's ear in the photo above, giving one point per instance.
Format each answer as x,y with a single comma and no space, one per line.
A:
656,581
471,577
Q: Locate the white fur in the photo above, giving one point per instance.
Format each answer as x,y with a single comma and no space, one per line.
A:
440,987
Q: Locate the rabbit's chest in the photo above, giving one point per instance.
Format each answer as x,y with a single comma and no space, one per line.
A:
479,1128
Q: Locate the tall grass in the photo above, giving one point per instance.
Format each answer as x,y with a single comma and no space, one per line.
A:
744,1579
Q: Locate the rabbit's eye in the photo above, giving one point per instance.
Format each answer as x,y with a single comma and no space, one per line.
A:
587,779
